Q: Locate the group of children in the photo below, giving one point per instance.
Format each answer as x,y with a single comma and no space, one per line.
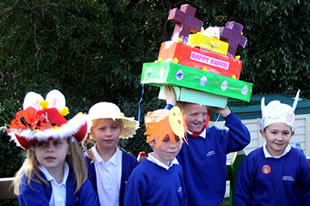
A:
187,165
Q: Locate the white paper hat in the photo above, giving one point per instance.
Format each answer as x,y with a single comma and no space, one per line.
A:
277,112
108,110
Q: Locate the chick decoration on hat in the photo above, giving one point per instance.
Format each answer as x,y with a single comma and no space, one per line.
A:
41,120
277,112
173,125
108,110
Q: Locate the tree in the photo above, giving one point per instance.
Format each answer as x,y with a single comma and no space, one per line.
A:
93,50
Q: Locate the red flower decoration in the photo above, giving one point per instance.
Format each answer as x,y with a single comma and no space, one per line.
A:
29,119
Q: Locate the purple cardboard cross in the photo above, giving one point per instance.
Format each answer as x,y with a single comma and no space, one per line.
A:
185,21
231,34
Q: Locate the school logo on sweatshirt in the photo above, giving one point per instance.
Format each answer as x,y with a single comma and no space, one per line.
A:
288,178
211,153
266,169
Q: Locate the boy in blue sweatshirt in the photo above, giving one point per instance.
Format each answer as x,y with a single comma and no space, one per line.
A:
276,173
158,179
204,157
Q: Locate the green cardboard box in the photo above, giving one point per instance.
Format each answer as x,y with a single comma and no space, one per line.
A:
169,73
195,96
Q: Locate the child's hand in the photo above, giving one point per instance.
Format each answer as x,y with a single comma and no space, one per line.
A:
223,112
170,95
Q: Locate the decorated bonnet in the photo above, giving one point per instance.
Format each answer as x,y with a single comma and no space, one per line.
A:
108,110
277,112
161,123
41,120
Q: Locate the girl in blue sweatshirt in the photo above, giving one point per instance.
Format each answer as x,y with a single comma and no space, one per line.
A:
275,174
54,172
108,166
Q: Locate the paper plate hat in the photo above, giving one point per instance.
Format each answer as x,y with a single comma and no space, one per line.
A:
108,110
41,120
172,125
277,112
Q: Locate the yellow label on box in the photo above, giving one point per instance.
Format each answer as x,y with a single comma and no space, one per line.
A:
206,42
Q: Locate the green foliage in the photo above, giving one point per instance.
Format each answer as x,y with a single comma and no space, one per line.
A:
11,157
94,50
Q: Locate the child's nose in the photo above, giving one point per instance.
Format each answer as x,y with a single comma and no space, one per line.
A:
50,146
108,132
280,137
173,144
199,117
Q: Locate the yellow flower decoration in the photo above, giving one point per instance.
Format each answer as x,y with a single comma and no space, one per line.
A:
179,40
237,57
160,60
56,128
64,111
175,60
122,114
44,104
204,69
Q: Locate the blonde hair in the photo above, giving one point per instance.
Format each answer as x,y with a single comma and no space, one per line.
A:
30,167
155,116
90,140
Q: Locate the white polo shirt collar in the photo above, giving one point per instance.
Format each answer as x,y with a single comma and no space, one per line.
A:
268,155
153,159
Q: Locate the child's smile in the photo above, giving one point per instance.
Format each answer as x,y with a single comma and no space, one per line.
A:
278,136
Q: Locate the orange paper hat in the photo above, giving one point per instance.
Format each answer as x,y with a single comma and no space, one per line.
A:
41,120
173,125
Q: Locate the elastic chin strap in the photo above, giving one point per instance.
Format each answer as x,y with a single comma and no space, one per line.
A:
204,126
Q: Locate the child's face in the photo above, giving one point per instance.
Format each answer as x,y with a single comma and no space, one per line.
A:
278,136
196,116
167,150
52,153
106,132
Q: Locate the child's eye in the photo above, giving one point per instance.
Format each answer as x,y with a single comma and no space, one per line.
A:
166,139
41,144
56,143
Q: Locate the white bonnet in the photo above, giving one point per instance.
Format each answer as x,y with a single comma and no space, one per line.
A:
277,112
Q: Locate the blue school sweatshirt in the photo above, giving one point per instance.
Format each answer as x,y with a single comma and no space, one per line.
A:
152,185
39,194
204,161
272,181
